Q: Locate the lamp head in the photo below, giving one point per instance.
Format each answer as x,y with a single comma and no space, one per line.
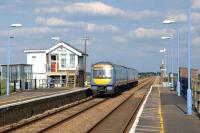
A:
166,37
16,25
168,21
55,38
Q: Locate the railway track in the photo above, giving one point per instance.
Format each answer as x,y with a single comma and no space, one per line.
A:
84,111
122,116
52,118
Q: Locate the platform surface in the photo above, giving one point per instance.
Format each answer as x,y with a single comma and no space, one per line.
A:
165,112
31,94
175,116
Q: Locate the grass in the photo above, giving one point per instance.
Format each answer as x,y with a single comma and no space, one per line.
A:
3,87
88,81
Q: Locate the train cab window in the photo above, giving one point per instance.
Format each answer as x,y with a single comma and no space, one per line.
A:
102,72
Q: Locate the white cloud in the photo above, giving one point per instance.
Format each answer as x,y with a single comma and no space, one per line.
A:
36,30
94,8
196,41
27,31
120,39
32,30
53,21
99,8
151,33
178,17
102,28
139,15
2,50
47,10
195,4
195,17
90,27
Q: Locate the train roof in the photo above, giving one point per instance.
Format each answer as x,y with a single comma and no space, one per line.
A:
110,63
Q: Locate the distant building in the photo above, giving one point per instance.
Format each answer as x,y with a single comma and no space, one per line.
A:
66,64
162,69
193,73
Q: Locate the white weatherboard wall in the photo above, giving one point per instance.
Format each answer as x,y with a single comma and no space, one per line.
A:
62,50
38,60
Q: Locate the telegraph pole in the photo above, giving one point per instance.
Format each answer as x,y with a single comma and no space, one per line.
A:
85,56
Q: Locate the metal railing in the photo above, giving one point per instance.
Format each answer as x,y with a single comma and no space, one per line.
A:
38,84
53,83
196,94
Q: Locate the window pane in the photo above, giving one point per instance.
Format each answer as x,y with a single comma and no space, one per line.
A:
63,60
72,60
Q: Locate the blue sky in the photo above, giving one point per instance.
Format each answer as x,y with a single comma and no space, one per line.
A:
125,32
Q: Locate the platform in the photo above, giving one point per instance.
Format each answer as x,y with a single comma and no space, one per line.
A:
30,103
175,115
165,112
31,94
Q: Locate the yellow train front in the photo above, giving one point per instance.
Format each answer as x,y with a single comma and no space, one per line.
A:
108,78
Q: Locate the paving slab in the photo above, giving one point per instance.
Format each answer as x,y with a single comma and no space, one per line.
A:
165,112
175,115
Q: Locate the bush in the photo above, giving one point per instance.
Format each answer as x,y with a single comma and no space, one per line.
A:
3,87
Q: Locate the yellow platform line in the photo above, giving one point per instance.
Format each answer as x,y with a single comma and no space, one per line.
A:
160,113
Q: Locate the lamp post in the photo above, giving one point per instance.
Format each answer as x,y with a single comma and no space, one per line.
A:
178,65
86,38
53,38
8,63
172,61
189,93
49,63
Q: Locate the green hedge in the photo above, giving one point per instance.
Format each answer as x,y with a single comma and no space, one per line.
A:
3,87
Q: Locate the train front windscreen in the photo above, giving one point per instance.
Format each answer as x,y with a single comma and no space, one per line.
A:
102,72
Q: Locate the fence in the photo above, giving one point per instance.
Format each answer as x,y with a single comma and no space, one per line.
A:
196,94
31,84
53,83
195,86
39,83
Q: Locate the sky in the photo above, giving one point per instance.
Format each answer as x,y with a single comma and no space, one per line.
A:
125,32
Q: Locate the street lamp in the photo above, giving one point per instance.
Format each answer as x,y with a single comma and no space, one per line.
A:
189,93
167,21
8,65
53,38
166,37
178,66
172,61
49,63
86,38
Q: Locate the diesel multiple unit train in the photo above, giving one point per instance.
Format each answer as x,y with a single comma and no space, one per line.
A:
108,78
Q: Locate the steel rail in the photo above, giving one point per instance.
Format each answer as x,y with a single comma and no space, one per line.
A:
134,113
77,114
145,83
18,125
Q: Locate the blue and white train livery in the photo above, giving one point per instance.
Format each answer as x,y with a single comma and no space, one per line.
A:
108,78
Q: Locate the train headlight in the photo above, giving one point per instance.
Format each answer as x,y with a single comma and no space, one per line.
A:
109,88
94,87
